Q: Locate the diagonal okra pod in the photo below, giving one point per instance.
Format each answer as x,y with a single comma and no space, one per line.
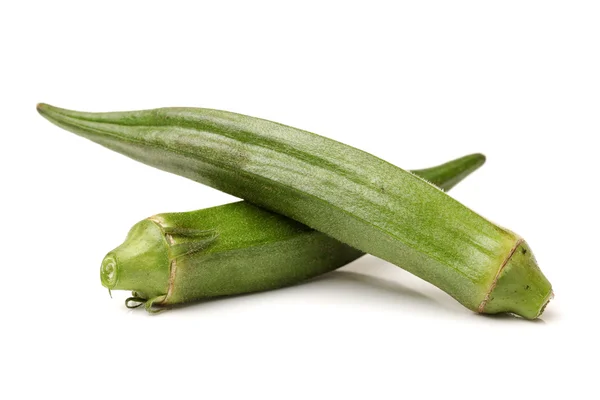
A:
175,258
341,191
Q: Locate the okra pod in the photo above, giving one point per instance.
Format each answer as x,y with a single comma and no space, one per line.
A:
175,258
341,191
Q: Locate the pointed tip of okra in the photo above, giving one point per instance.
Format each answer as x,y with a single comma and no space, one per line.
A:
42,108
520,287
476,158
449,174
479,158
47,111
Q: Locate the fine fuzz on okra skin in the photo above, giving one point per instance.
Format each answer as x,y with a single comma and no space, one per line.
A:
175,258
339,190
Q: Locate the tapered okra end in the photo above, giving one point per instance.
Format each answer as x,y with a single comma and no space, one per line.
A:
449,174
520,287
140,264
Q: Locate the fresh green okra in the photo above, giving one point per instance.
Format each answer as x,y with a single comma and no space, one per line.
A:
336,189
175,258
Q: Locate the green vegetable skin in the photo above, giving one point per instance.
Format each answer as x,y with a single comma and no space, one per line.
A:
344,192
236,248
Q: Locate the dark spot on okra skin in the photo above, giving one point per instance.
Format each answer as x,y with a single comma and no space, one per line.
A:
523,250
527,287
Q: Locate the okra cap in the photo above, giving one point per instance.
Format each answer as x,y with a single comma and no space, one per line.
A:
520,286
140,264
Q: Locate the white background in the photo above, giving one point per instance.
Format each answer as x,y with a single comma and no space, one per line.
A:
416,83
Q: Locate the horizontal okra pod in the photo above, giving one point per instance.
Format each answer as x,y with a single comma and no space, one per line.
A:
175,258
341,191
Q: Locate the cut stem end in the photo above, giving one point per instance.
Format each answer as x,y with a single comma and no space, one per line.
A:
520,287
